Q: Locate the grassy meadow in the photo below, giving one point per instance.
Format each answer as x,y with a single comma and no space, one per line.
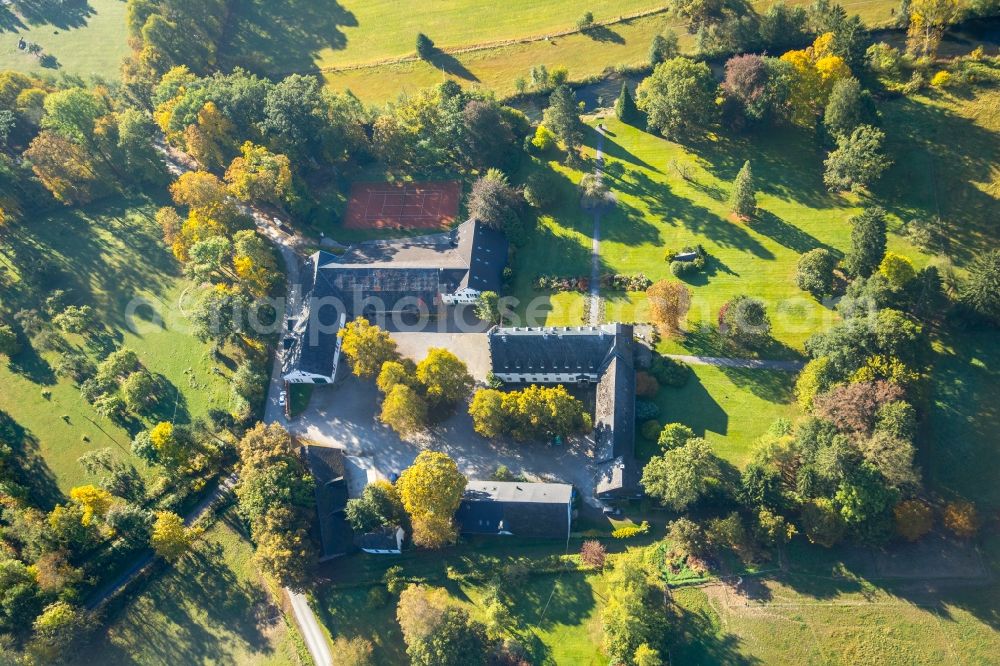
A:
844,605
83,38
111,257
497,68
211,608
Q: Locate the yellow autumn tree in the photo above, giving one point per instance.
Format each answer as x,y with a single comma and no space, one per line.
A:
94,501
259,175
170,538
211,140
815,70
431,490
928,20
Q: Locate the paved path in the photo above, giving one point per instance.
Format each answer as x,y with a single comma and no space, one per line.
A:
748,363
140,565
312,632
594,315
291,247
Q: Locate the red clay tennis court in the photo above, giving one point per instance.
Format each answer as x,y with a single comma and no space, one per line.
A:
403,205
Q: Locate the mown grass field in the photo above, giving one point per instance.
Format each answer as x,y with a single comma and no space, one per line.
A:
829,626
210,608
85,38
497,68
109,257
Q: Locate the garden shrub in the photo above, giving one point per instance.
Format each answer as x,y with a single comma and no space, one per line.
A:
670,372
630,531
651,430
646,410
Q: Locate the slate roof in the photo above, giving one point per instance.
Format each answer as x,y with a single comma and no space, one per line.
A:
386,276
607,351
583,349
524,509
383,539
327,467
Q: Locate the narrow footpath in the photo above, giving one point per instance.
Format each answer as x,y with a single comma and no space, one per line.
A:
594,314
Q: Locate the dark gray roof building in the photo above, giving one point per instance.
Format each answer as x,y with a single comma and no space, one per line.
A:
518,508
327,467
601,355
375,277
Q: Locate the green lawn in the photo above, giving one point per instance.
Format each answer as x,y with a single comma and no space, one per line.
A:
85,38
828,625
108,256
730,407
211,608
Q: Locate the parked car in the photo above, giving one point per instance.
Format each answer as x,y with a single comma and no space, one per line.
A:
281,398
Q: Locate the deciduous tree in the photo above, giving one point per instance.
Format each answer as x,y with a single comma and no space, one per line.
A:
814,272
445,378
678,97
260,176
668,305
914,519
366,346
431,490
170,538
744,319
858,160
680,476
404,410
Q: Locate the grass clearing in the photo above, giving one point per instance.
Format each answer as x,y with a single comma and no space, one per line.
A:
111,257
729,407
830,625
563,630
212,607
84,38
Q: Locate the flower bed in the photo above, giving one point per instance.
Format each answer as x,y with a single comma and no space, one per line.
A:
609,281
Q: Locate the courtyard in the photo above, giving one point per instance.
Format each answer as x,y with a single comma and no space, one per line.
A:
345,415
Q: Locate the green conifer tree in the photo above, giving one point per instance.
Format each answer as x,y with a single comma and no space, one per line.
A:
743,200
625,108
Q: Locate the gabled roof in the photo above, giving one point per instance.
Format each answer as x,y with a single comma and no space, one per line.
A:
523,509
386,276
327,467
606,351
581,349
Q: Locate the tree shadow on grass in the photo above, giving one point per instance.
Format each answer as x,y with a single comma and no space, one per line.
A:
693,406
64,14
602,33
772,226
276,38
786,162
29,468
699,639
30,364
449,64
939,158
616,151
